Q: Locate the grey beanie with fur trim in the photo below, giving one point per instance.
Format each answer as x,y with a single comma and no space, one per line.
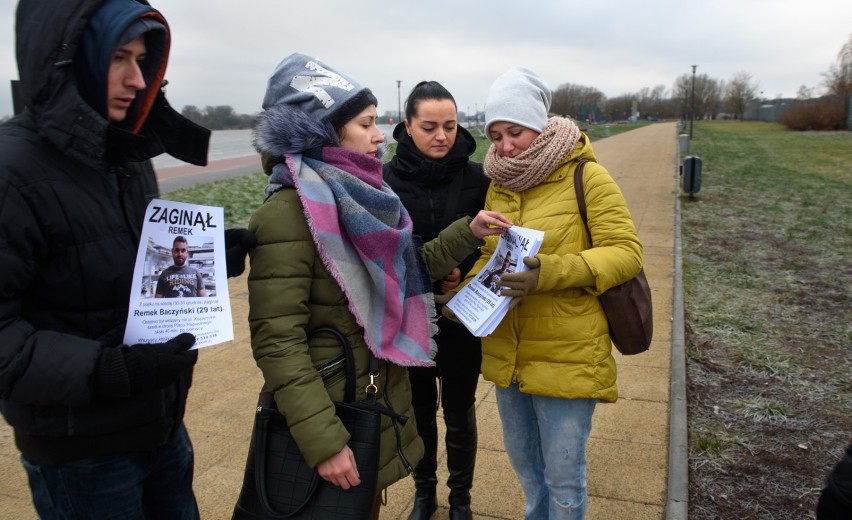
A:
518,96
317,89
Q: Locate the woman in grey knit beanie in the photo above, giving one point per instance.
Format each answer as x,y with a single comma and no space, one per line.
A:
336,249
551,356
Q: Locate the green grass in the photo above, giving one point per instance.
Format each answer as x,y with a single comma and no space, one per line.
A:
766,248
760,409
240,196
715,446
764,359
770,230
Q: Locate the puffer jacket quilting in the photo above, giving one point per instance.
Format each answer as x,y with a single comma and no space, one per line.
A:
290,293
71,211
556,342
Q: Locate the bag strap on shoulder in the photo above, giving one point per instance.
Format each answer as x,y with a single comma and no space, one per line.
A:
578,189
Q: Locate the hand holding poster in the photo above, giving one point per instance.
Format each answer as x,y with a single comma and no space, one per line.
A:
479,306
180,283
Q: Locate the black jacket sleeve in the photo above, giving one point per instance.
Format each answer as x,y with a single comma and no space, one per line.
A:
40,367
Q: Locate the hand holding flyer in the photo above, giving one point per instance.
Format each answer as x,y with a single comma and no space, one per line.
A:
180,282
480,305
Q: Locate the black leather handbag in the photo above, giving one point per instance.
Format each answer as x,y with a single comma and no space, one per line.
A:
278,483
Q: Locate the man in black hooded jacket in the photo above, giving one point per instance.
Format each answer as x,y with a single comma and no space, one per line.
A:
99,424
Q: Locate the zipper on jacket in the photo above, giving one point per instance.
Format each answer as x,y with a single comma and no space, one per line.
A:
113,178
331,368
431,200
120,177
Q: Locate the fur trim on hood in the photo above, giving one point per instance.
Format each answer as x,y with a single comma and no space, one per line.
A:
284,129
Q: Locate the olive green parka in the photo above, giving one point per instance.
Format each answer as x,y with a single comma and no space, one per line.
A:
291,293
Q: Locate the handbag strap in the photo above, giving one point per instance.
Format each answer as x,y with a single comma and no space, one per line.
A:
581,199
267,400
349,368
349,356
373,386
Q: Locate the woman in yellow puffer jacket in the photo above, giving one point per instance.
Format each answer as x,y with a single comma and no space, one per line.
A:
550,357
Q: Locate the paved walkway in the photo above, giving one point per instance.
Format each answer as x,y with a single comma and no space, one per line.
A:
630,475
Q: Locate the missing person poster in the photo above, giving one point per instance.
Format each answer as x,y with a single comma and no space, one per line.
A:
180,283
479,306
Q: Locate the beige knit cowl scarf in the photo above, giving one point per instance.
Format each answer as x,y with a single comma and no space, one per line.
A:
534,164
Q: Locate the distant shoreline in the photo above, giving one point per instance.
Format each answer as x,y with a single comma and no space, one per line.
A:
186,175
228,144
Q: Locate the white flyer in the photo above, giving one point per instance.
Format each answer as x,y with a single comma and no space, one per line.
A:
180,283
479,306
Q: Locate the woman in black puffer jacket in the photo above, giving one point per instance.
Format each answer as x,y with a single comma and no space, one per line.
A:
437,182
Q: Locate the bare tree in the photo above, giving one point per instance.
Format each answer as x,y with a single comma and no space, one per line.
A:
192,113
804,92
653,103
708,93
740,91
844,58
576,101
838,79
217,117
618,108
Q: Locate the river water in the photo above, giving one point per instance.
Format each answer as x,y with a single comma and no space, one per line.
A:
225,144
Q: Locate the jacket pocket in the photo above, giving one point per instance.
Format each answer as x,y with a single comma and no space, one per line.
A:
332,371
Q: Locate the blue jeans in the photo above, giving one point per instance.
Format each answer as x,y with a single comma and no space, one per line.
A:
545,438
155,484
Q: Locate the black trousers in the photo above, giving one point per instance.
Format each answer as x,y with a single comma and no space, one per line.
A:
458,392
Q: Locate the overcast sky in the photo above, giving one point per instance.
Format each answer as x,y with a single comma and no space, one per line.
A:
224,50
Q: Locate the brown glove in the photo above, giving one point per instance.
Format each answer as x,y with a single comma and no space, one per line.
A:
521,283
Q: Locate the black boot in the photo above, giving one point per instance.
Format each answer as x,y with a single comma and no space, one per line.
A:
425,481
461,458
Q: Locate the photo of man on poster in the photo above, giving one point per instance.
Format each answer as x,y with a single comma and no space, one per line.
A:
180,280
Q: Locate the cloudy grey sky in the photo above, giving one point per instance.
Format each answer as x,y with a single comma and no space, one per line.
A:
224,50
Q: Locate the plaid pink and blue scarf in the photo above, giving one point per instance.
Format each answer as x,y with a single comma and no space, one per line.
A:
364,237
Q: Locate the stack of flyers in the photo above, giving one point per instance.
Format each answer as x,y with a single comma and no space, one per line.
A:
479,306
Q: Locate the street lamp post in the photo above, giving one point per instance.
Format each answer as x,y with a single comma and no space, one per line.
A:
692,111
398,102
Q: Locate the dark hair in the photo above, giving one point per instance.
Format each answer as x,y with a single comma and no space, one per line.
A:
423,91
